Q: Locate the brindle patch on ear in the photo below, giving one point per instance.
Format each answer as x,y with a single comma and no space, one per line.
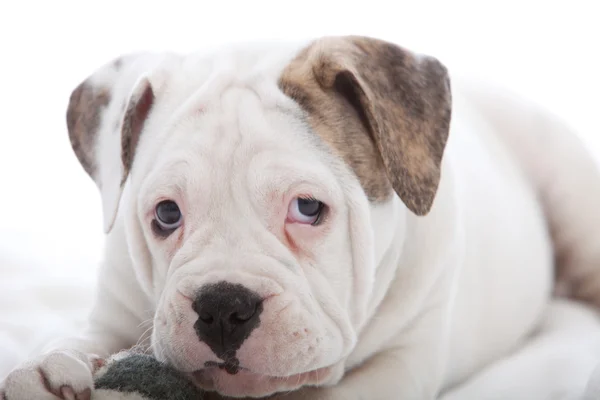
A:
383,109
133,122
339,126
83,121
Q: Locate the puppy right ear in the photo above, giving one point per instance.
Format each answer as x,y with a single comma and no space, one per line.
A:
105,118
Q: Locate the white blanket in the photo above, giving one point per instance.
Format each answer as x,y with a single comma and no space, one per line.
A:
39,302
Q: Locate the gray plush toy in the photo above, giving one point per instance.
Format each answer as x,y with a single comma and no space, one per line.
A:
133,376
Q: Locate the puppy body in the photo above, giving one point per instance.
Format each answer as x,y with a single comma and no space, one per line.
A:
379,301
444,267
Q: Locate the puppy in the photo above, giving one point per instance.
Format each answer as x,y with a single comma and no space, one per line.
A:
329,218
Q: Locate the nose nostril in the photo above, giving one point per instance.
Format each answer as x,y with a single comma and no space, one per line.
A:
242,317
206,318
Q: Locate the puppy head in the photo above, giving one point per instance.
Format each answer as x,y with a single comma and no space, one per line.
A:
245,182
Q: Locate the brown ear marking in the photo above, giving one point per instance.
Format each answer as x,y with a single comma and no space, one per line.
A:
133,122
85,114
383,109
86,105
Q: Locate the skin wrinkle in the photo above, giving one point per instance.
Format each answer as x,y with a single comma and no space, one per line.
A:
238,148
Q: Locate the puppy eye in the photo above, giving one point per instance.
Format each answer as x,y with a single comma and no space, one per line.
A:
167,217
305,211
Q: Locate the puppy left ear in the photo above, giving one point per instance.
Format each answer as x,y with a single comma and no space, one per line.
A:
405,100
105,118
400,100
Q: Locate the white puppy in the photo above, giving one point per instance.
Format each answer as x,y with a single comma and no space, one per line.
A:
312,217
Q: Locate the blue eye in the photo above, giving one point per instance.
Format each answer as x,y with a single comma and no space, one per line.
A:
309,207
168,216
305,211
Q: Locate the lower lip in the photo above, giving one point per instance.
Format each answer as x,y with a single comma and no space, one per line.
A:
200,374
249,384
231,369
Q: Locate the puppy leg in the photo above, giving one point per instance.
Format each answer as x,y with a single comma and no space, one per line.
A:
554,364
65,370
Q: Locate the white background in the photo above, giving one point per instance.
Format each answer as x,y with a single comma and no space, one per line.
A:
50,224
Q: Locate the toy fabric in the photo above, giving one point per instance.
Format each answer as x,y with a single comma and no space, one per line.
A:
133,376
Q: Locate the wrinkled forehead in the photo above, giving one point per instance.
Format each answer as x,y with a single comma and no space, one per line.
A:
239,136
238,122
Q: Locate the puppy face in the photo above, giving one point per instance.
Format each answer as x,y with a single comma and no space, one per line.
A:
247,210
254,277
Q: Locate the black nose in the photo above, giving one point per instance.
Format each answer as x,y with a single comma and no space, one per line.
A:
227,314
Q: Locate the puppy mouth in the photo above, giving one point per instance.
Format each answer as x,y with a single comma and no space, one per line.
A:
232,366
233,380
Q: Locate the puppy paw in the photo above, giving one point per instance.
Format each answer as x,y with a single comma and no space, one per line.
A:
65,375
